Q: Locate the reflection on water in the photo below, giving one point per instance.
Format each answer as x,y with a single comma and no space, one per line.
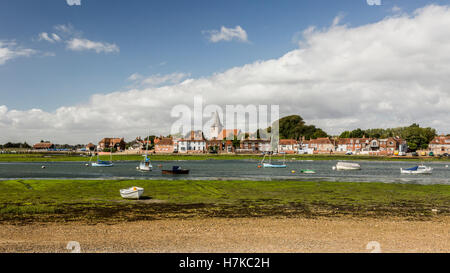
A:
376,171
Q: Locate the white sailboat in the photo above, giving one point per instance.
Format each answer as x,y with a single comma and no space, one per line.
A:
103,163
274,146
145,164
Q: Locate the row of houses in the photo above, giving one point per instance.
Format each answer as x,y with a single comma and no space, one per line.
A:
195,142
388,146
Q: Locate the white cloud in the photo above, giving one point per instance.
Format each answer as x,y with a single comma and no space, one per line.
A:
227,34
158,79
45,36
10,50
390,73
73,2
79,44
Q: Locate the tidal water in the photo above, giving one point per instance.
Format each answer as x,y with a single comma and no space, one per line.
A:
375,171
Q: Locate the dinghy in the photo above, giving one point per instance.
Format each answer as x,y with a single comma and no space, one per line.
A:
346,166
132,193
422,169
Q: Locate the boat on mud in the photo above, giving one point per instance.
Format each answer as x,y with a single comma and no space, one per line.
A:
346,166
132,193
422,169
176,170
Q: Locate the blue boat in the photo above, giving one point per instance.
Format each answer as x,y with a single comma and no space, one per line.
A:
102,163
270,165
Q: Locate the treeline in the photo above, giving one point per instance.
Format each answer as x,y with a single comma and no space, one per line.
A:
416,136
11,145
294,127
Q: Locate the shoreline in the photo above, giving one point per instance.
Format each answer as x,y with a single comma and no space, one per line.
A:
242,235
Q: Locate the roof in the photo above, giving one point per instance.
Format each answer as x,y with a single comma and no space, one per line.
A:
343,141
441,140
320,140
111,140
216,121
228,133
288,142
42,145
165,141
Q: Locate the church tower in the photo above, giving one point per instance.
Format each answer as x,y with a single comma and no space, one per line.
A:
216,127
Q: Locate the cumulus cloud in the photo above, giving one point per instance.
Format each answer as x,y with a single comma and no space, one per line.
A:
390,73
74,40
227,34
73,2
79,44
10,50
45,36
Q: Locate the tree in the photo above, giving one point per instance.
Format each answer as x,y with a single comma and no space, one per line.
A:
294,127
236,143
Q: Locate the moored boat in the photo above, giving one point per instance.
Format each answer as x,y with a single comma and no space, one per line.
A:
346,166
422,169
308,171
176,170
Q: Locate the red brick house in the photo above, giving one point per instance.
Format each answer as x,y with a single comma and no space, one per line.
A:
164,145
289,146
108,143
440,145
43,146
320,145
221,146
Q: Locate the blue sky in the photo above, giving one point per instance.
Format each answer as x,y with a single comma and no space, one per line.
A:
75,73
154,37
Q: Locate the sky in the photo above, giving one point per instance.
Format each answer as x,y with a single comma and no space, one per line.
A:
74,71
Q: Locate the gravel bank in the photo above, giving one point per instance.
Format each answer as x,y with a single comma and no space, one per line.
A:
233,235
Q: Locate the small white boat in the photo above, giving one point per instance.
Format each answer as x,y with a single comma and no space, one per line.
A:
346,166
422,169
132,193
145,165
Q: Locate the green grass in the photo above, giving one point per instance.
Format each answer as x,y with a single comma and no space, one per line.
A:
69,200
158,157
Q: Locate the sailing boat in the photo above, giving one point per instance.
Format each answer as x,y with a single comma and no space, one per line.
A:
103,163
270,165
274,143
145,164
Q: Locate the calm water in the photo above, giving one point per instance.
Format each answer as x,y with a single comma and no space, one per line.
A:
388,172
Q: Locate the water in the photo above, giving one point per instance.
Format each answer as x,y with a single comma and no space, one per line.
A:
375,171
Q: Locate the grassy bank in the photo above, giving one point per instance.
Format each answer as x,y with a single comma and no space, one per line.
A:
95,201
158,157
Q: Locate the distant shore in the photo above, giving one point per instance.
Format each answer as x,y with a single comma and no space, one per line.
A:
54,157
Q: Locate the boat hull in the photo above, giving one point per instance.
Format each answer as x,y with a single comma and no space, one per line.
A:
345,166
101,165
424,171
132,193
175,172
145,167
267,165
